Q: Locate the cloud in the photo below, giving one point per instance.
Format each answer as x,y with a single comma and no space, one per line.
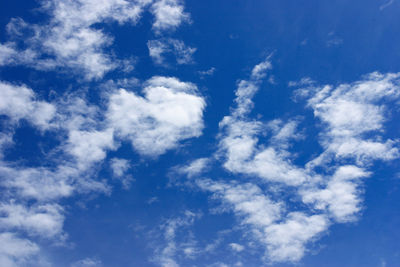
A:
87,262
286,206
19,102
120,168
236,247
284,236
67,39
45,220
386,4
286,241
170,111
208,72
351,112
168,15
68,42
341,195
15,251
194,168
89,147
175,240
238,138
182,52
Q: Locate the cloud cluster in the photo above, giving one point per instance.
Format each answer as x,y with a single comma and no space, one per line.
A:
169,112
328,188
70,42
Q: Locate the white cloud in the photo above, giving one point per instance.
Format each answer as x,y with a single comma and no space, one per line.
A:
120,168
42,220
350,112
208,72
87,262
38,183
284,236
68,39
182,52
15,251
166,254
89,147
156,50
194,168
170,111
19,102
322,191
168,15
236,247
247,200
286,241
341,194
239,142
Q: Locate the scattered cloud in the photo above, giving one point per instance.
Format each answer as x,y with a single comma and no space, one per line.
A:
174,243
208,72
69,41
87,262
120,168
168,15
351,120
158,48
31,202
194,168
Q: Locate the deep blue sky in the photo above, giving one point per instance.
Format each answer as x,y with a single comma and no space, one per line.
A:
329,42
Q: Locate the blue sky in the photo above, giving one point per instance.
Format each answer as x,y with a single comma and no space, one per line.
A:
199,133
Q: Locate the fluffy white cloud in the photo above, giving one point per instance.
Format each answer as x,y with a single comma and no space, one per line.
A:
15,251
284,235
89,146
350,112
340,196
19,102
41,220
170,111
239,138
286,241
68,39
168,14
247,200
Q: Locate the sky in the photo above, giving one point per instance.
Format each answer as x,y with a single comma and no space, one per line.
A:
199,133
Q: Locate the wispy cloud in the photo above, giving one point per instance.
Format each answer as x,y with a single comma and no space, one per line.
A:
386,4
159,48
351,119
